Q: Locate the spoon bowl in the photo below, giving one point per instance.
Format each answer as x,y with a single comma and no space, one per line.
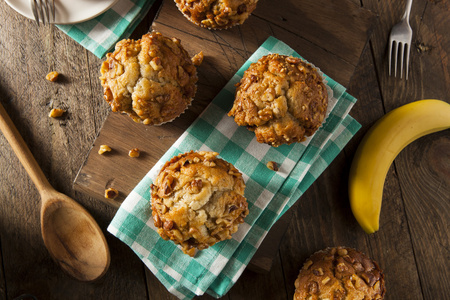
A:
71,235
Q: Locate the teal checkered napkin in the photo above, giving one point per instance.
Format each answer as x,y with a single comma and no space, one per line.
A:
268,193
100,34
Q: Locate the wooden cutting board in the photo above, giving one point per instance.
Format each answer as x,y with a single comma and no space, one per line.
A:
330,34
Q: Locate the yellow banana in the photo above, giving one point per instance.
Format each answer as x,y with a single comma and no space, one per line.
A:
378,149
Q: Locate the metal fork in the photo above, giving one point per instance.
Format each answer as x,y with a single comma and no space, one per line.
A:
400,41
43,11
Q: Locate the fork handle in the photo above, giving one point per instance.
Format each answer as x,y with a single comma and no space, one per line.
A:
407,10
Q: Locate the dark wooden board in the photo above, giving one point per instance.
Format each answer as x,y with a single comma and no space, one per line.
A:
318,37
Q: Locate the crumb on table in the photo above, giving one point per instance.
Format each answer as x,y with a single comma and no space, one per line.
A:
111,193
103,149
52,76
198,59
56,112
272,166
135,152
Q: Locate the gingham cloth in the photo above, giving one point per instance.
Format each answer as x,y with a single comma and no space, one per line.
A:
99,35
268,193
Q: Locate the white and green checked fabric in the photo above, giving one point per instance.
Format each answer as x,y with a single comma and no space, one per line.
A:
268,193
100,34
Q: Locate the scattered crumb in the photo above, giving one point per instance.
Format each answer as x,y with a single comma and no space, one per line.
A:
111,193
103,149
421,47
52,76
56,112
134,152
198,59
272,166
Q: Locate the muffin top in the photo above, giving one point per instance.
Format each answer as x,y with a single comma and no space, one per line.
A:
198,200
339,273
219,14
281,98
153,79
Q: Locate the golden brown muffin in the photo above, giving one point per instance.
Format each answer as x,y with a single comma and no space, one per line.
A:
153,79
281,98
213,14
339,273
198,200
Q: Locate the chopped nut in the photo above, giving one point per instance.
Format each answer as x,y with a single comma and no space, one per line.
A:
155,63
318,272
326,280
52,76
156,220
342,252
197,59
134,152
168,225
196,186
307,264
341,267
103,149
56,112
111,193
369,278
272,166
313,287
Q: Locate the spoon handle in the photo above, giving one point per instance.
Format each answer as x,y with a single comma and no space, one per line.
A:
22,151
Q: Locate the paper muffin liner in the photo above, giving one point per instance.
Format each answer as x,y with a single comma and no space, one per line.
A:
331,100
185,109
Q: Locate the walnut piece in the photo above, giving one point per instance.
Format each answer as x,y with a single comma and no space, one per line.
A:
134,152
272,166
52,76
198,59
111,193
103,149
56,112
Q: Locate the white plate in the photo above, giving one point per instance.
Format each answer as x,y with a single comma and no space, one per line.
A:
67,11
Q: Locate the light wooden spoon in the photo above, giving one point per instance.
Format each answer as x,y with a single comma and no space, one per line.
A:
70,233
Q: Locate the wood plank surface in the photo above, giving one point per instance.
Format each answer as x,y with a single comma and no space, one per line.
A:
413,241
225,52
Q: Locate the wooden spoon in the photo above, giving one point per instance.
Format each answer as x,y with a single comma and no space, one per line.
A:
70,233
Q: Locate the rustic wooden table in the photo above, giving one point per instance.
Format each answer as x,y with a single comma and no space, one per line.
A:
413,241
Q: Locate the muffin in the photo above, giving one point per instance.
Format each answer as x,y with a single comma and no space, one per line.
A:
219,14
281,98
339,273
152,79
198,200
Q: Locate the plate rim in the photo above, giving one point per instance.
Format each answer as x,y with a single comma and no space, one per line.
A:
88,17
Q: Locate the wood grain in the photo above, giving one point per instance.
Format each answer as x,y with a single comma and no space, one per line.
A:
411,245
225,52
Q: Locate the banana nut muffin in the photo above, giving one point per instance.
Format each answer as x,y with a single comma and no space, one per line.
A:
198,200
152,79
281,98
340,273
216,14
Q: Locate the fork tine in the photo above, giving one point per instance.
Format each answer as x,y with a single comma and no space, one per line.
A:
35,11
407,60
395,58
390,55
45,11
402,53
41,12
53,11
